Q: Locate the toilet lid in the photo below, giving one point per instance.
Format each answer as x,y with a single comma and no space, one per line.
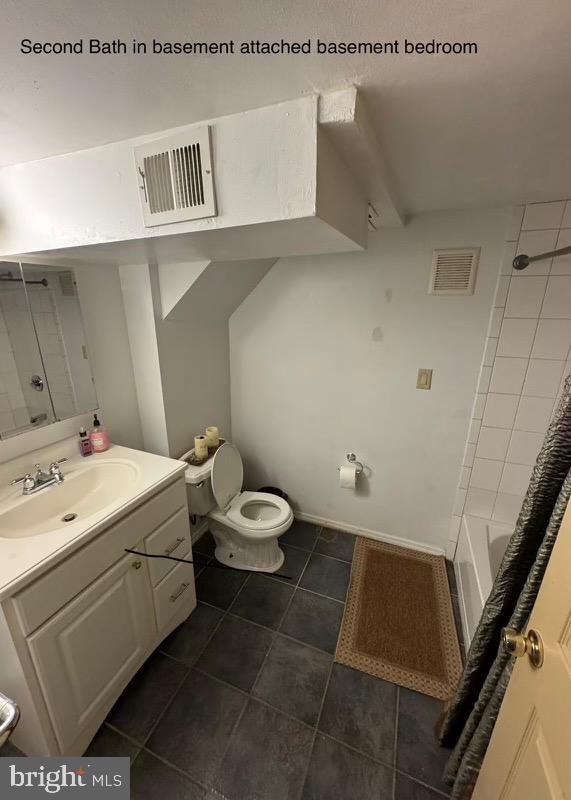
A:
227,475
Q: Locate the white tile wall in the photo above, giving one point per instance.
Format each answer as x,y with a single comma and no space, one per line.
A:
493,443
525,296
516,338
524,447
552,339
526,360
500,410
543,378
508,375
539,216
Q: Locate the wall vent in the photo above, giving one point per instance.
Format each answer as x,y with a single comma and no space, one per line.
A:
175,177
454,271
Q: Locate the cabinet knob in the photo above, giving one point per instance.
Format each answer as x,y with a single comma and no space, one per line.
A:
137,564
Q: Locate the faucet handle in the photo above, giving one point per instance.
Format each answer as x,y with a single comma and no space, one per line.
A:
55,470
29,482
26,477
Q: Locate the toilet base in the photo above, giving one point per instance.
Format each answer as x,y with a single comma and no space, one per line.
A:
235,550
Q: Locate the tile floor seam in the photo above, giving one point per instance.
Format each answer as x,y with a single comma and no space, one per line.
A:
422,783
238,593
167,706
318,594
189,670
395,742
280,632
129,738
231,736
264,660
316,730
177,769
293,585
257,699
315,552
332,558
306,644
356,750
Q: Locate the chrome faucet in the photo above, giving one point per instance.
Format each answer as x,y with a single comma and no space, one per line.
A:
40,479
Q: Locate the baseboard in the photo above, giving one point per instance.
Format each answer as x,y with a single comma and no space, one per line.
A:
378,535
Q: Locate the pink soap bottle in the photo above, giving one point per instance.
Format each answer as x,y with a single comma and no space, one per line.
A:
99,437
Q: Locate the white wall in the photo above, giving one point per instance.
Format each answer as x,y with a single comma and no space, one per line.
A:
526,359
103,315
324,357
182,362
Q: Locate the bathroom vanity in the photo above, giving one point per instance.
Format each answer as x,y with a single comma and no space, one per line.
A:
79,615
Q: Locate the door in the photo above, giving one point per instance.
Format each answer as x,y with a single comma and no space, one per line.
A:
529,756
86,652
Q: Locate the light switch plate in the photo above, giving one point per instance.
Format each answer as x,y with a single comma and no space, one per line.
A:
424,379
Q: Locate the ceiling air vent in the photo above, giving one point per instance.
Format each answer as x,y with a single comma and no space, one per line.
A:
454,271
175,177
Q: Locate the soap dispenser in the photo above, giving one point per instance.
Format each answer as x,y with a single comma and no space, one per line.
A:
99,437
85,446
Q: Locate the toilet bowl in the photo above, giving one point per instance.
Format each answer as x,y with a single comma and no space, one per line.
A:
245,525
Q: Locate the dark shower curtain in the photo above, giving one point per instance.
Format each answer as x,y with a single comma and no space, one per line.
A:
471,714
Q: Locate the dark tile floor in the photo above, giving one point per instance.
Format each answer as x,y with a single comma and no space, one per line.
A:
243,701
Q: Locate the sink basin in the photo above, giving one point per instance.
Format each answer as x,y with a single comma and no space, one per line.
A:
85,491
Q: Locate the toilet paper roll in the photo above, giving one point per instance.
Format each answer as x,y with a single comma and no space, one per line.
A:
347,476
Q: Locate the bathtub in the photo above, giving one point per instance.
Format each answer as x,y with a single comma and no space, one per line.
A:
481,546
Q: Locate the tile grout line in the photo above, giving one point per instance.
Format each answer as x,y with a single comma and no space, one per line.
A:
422,783
395,742
189,670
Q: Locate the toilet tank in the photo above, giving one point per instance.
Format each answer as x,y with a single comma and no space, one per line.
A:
199,487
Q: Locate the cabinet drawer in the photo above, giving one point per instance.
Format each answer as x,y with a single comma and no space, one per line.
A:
39,601
172,538
174,593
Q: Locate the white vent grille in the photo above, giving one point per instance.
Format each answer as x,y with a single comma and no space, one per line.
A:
454,271
175,178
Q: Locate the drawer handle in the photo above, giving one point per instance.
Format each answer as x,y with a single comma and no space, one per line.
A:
137,564
177,543
181,589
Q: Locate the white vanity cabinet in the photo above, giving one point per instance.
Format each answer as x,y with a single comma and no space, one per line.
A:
81,630
87,650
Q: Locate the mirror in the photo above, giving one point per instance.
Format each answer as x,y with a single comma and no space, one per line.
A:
44,367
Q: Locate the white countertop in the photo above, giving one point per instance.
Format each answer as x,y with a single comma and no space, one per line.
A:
23,559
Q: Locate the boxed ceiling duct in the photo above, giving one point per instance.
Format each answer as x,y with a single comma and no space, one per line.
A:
175,177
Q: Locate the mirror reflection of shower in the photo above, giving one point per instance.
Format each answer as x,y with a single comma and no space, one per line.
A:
44,369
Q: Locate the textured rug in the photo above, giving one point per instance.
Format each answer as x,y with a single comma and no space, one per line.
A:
398,622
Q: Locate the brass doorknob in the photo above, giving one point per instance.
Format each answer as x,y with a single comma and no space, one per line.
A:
517,644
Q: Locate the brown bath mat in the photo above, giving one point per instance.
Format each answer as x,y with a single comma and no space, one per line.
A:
398,622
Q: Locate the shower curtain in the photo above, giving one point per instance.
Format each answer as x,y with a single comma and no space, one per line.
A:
471,714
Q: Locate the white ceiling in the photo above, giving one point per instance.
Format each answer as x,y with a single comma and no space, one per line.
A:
457,131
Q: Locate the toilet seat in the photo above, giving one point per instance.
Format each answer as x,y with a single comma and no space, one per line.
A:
277,510
252,514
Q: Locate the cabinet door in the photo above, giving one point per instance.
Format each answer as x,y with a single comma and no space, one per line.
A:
89,649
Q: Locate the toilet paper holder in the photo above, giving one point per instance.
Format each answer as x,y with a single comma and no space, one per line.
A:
352,459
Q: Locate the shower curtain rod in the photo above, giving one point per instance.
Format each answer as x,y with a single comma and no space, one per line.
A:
522,261
7,278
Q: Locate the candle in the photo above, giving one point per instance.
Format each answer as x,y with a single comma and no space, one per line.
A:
212,436
200,447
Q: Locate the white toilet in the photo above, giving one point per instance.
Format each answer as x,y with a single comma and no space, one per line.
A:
245,525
